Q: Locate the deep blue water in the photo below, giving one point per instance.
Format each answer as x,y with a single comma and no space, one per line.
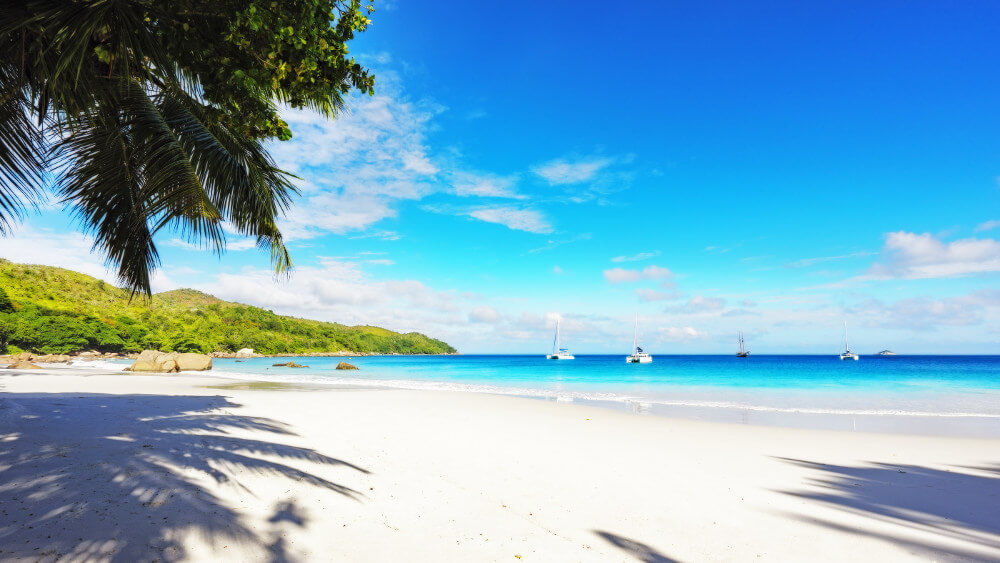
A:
952,385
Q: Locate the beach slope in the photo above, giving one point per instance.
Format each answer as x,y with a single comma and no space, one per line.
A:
118,467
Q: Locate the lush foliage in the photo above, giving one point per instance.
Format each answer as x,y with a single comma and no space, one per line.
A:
152,115
58,311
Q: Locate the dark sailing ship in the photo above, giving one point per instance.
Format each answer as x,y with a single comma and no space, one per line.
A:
743,347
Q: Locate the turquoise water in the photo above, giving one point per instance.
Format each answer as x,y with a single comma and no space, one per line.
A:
952,386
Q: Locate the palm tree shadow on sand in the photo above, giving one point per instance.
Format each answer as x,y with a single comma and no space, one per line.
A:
638,550
946,508
114,477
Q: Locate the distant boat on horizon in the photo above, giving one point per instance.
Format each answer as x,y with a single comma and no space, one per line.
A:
743,352
559,353
639,356
847,354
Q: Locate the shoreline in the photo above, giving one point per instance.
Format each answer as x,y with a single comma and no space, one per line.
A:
889,421
200,472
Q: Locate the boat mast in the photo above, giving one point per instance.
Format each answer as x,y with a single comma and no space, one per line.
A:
555,348
635,334
847,347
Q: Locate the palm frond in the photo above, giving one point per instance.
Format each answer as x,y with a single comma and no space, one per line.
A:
126,176
239,176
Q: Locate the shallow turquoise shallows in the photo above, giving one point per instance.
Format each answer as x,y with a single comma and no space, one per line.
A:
952,386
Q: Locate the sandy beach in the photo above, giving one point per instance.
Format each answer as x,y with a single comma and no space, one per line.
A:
169,468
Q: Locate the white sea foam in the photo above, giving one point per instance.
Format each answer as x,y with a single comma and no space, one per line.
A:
94,365
637,404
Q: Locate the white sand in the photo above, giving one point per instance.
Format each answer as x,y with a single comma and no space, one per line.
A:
159,467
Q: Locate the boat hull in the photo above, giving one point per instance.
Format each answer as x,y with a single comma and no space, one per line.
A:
637,359
560,357
850,357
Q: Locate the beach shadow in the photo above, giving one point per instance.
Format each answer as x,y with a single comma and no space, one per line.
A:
115,477
638,550
285,512
938,503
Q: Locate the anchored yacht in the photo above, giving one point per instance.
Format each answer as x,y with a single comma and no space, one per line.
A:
847,354
638,355
559,353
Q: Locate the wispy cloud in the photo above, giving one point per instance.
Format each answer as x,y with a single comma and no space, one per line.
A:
384,235
356,167
697,305
623,275
680,333
571,171
806,262
647,294
515,218
553,244
231,245
482,184
988,225
715,249
636,257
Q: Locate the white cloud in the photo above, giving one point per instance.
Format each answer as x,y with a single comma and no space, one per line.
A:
484,314
622,275
71,251
357,166
342,292
646,294
697,305
636,257
513,218
927,313
680,333
988,225
566,171
557,270
483,184
915,256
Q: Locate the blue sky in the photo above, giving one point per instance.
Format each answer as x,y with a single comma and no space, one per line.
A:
774,168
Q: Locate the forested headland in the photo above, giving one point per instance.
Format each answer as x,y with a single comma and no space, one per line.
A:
56,311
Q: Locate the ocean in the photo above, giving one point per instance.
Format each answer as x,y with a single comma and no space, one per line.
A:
950,395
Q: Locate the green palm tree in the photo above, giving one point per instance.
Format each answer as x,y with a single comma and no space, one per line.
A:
143,115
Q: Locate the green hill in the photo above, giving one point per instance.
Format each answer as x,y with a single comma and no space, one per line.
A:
56,311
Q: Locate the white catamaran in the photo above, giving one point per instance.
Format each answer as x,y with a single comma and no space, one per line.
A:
557,352
847,355
638,355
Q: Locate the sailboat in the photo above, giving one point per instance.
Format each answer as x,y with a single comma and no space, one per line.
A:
743,346
559,353
638,355
847,354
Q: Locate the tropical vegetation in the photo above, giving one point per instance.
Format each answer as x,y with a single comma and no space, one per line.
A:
55,311
148,115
